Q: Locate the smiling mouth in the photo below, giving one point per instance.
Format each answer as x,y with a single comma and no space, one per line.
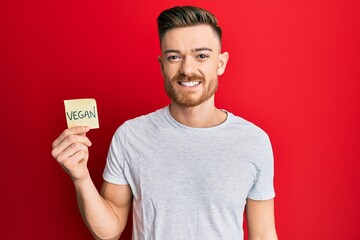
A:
189,84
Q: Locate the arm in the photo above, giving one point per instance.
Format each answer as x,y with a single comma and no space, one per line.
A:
260,219
104,215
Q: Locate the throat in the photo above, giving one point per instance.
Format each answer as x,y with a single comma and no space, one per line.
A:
197,117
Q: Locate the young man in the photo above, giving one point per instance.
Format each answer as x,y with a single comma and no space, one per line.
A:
190,169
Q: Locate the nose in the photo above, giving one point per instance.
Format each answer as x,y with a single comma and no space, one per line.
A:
187,67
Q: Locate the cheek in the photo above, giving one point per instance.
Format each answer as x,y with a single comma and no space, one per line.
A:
167,76
210,69
169,71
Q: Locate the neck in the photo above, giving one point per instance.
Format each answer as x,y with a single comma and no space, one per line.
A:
204,115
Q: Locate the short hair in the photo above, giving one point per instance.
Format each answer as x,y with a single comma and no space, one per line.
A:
186,16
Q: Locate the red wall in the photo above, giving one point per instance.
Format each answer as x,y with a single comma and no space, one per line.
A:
293,70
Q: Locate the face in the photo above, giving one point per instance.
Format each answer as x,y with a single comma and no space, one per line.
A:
191,63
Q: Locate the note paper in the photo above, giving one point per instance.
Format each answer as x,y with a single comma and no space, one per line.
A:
81,112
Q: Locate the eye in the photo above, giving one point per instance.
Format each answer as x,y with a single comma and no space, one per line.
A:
202,56
173,58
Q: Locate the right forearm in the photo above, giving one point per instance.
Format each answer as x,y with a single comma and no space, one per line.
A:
96,212
71,151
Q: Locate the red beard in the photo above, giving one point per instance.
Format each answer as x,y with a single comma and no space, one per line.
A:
188,98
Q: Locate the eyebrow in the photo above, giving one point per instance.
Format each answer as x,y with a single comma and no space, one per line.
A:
202,49
193,50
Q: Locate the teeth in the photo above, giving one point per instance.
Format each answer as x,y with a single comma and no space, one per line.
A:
190,84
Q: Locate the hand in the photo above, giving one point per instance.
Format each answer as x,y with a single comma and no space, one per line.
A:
70,149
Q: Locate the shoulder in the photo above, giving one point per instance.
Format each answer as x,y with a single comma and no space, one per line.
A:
252,139
142,124
237,123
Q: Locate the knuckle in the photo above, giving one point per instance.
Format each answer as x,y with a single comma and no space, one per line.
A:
65,133
60,159
71,138
76,145
82,153
54,153
66,165
53,145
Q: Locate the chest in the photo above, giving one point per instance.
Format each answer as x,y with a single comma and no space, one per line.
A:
195,171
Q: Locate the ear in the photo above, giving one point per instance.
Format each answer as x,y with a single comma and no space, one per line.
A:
223,59
161,66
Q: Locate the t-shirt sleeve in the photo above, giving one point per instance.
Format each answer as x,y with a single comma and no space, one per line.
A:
263,188
114,171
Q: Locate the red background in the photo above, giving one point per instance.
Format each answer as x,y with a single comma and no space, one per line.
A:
293,70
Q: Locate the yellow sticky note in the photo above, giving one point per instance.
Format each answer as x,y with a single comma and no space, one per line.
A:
81,112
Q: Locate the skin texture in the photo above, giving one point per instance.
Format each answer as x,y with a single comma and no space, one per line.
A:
260,219
190,54
190,59
105,214
193,54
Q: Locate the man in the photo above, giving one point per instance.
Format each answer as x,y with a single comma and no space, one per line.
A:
190,169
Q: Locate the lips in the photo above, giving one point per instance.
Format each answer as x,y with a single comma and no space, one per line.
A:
189,83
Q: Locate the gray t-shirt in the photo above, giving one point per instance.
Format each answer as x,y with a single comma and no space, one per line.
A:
190,183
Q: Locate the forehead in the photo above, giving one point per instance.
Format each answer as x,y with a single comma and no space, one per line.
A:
186,38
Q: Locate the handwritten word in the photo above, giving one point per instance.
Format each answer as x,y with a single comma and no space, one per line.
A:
76,115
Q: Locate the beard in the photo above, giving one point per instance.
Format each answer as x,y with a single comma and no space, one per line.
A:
189,98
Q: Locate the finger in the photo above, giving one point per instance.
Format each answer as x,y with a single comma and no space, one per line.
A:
71,151
73,148
69,141
73,161
70,131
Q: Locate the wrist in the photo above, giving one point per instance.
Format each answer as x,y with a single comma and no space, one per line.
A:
83,181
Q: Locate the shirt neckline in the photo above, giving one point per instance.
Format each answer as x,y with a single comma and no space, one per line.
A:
182,126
